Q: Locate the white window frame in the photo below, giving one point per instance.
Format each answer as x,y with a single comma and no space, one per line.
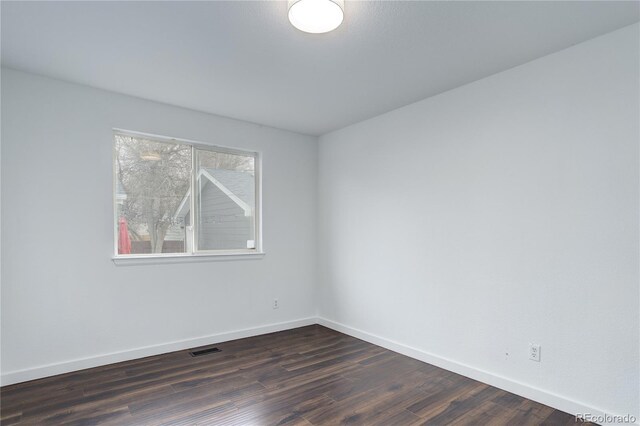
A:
194,255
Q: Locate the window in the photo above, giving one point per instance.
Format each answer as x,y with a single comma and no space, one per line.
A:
175,198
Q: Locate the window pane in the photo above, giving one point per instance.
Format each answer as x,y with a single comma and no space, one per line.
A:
225,201
152,184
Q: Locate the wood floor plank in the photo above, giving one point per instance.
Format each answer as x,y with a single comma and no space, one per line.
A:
559,418
11,420
402,417
530,413
306,376
437,402
365,407
459,407
83,408
488,413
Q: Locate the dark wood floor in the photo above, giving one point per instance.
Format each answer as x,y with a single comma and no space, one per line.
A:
310,375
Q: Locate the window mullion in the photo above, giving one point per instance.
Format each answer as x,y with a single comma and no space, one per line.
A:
192,209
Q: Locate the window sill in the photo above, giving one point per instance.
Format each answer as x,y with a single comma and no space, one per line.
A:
184,258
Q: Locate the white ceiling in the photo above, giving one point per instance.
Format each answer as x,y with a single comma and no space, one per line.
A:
244,60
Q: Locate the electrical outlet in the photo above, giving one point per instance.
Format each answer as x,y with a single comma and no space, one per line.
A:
534,352
275,304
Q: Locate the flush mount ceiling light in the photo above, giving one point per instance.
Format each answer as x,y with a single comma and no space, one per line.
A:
316,16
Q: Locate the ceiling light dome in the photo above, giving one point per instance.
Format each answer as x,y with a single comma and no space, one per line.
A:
316,16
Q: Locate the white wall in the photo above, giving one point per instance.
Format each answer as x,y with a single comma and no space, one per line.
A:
63,299
504,212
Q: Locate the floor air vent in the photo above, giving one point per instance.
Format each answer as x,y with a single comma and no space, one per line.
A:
200,352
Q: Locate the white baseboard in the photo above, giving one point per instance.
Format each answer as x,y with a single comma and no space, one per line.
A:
111,358
527,391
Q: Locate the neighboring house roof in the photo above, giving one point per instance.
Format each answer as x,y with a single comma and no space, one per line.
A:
237,185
